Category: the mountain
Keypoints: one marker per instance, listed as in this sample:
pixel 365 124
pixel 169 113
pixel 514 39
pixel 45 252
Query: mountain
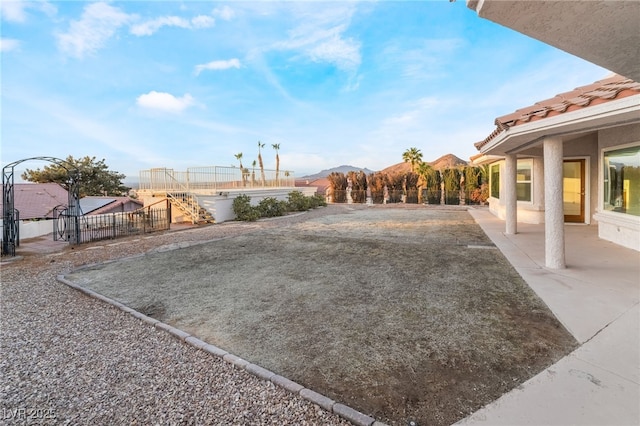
pixel 340 169
pixel 448 161
pixel 445 162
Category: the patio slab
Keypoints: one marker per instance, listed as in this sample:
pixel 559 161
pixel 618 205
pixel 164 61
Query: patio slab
pixel 597 298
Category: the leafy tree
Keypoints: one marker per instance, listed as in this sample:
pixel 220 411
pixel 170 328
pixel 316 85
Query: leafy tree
pixel 94 177
pixel 413 156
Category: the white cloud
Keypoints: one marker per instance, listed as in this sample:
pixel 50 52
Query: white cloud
pixel 9 44
pixel 225 13
pixel 165 101
pixel 422 58
pixel 218 65
pixel 345 54
pixel 13 11
pixel 16 11
pixel 320 37
pixel 150 27
pixel 203 21
pixel 99 22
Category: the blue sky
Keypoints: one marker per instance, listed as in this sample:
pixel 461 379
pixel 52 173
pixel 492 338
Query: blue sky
pixel 147 84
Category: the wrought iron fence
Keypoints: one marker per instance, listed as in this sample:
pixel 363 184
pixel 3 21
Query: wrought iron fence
pixel 428 196
pixel 9 248
pixel 213 178
pixel 113 225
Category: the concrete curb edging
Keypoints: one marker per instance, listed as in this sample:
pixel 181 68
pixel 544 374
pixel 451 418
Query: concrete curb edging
pixel 347 413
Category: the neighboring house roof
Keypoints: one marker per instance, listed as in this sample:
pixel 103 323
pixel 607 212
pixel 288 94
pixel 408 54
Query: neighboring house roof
pixel 602 91
pixel 37 200
pixel 101 205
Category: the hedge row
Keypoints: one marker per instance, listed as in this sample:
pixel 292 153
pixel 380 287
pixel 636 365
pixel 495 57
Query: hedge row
pixel 271 207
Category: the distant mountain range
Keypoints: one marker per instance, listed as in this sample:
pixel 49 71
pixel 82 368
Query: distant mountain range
pixel 444 162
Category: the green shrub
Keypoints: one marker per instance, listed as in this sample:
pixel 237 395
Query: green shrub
pixel 271 207
pixel 243 209
pixel 317 200
pixel 298 202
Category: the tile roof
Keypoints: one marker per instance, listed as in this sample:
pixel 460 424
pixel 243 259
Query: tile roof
pixel 602 91
pixel 101 205
pixel 37 200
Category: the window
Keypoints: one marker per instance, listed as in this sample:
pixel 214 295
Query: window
pixel 621 174
pixel 495 181
pixel 523 178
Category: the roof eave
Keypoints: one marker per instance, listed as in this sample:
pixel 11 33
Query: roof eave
pixel 609 114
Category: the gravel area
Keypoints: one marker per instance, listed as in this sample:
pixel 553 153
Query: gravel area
pixel 66 358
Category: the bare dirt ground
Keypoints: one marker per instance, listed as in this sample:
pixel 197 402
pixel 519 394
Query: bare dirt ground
pixel 406 314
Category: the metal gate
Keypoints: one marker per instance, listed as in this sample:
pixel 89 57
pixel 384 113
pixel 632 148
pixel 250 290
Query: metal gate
pixel 111 225
pixel 10 216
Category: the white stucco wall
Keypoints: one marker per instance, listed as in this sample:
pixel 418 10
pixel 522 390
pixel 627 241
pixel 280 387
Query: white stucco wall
pixel 220 204
pixel 32 229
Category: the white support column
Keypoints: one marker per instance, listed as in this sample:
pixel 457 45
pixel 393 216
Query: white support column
pixel 510 194
pixel 553 203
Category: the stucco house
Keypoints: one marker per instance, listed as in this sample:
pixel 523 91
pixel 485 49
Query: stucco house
pixel 574 158
pixel 95 205
pixel 35 203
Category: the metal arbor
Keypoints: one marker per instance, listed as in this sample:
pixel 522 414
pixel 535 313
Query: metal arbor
pixel 10 235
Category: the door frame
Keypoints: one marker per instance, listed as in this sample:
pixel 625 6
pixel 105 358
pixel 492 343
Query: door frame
pixel 587 186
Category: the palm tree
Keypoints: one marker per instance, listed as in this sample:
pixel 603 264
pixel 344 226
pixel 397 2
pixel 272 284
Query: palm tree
pixel 239 158
pixel 276 146
pixel 427 178
pixel 253 173
pixel 260 146
pixel 413 156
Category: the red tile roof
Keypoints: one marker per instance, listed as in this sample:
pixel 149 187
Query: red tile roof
pixel 94 205
pixel 37 200
pixel 602 91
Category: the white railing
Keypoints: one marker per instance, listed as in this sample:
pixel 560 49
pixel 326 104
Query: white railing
pixel 213 178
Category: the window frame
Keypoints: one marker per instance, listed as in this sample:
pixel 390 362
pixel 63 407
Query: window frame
pixel 492 193
pixel 603 205
pixel 529 163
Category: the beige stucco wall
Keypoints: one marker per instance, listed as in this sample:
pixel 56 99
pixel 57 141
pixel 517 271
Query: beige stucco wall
pixel 619 228
pixel 619 136
pixel 528 212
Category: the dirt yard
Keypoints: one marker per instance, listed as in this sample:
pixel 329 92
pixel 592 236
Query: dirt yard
pixel 406 314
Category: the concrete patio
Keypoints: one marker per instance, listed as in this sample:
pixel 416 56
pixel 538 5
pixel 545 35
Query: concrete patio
pixel 596 298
